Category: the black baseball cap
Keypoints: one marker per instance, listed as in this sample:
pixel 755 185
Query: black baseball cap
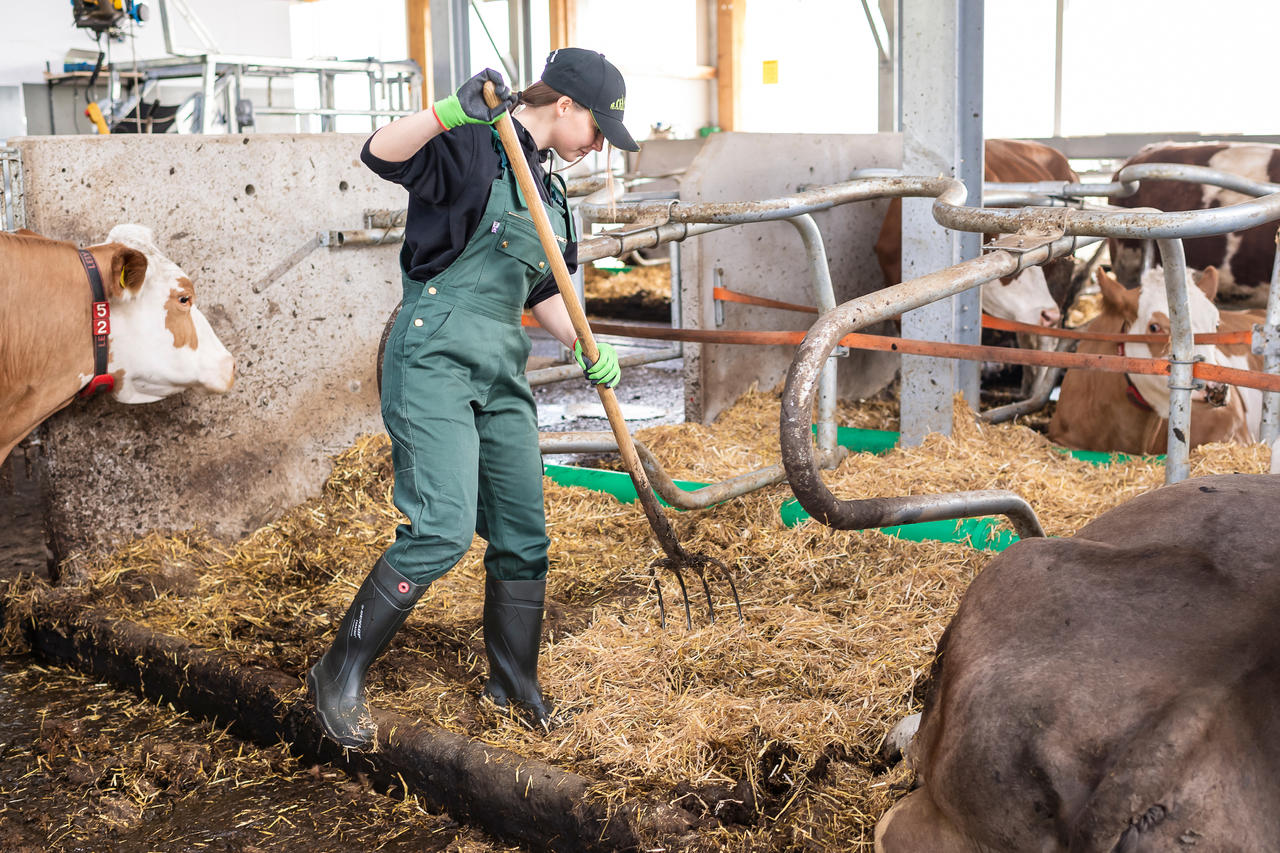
pixel 594 82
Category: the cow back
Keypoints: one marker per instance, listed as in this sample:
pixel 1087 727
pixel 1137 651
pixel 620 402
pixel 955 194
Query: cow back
pixel 1244 259
pixel 1118 686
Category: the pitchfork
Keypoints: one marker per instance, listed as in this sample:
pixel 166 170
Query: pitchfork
pixel 677 557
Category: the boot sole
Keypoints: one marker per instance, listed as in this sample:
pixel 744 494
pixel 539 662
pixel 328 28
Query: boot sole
pixel 346 741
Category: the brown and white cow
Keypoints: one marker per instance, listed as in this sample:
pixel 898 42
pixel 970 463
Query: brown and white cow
pixel 1244 259
pixel 1128 412
pixel 1036 295
pixel 1112 691
pixel 159 345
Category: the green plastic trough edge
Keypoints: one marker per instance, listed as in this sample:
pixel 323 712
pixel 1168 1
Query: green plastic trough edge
pixel 981 533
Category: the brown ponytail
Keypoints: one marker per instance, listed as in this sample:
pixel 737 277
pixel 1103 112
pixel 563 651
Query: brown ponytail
pixel 540 94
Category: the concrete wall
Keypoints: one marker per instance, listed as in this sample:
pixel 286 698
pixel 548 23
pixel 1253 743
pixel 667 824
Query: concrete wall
pixel 768 259
pixel 227 209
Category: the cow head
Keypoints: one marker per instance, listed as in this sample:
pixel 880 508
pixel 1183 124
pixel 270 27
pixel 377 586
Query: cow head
pixel 1147 310
pixel 160 342
pixel 1024 298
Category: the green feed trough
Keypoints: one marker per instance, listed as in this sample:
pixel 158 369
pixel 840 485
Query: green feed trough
pixel 981 533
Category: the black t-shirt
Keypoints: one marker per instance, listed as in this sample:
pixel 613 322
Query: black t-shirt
pixel 448 180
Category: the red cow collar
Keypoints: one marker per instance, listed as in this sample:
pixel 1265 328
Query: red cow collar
pixel 101 320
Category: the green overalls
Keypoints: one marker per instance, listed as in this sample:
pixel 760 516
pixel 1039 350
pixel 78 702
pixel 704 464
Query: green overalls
pixel 455 401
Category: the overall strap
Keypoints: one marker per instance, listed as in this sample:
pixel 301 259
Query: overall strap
pixel 562 202
pixel 505 172
pixel 559 195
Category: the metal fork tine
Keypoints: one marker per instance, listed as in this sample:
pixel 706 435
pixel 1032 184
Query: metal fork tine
pixel 688 616
pixel 699 564
pixel 737 602
pixel 706 588
pixel 733 588
pixel 657 585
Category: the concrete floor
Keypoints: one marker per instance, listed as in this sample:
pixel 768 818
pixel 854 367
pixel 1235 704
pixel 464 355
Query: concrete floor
pixel 649 395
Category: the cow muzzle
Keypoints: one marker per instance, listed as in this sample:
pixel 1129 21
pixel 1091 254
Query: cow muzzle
pixel 1214 393
pixel 220 375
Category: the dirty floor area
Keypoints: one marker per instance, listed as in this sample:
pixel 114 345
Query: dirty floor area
pixel 84 767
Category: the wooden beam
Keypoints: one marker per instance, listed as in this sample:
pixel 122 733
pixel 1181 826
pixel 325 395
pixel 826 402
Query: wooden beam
pixel 418 17
pixel 564 19
pixel 730 15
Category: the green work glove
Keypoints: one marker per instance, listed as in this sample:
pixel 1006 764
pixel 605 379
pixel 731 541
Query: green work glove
pixel 467 105
pixel 605 371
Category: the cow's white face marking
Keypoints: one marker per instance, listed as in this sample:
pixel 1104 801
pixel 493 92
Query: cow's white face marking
pixel 1025 299
pixel 1153 318
pixel 160 342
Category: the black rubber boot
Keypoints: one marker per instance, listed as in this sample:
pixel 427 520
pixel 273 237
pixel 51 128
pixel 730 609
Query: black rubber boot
pixel 512 637
pixel 336 682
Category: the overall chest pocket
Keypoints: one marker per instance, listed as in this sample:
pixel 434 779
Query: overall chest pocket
pixel 519 239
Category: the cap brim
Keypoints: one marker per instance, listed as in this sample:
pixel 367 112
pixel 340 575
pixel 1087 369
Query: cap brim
pixel 615 131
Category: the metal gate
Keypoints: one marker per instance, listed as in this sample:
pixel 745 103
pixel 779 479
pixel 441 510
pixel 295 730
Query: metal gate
pixel 13 209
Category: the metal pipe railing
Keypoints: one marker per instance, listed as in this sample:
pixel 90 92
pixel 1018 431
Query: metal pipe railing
pixel 601 207
pixel 1182 356
pixel 1168 230
pixel 801 386
pixel 683 220
pixel 1267 340
pixel 824 294
pixel 701 219
pixel 949 211
pixel 612 244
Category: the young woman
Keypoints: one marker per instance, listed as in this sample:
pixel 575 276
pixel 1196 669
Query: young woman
pixel 462 421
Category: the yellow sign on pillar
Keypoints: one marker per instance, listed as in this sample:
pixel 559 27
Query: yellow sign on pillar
pixel 770 71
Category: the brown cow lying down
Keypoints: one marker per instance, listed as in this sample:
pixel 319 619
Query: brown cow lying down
pixel 159 341
pixel 1128 413
pixel 1115 691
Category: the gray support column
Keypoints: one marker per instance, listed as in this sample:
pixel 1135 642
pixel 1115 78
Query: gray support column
pixel 1057 70
pixel 207 79
pixel 450 45
pixel 882 19
pixel 940 55
pixel 520 39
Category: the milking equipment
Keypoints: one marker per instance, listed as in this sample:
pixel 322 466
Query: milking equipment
pixel 108 16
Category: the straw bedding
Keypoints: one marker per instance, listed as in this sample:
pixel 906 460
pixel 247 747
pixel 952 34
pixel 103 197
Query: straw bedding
pixel 769 728
pixel 653 282
pixel 637 293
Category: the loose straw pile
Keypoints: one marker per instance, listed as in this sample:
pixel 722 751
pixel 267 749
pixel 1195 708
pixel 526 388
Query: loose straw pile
pixel 783 715
pixel 649 283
